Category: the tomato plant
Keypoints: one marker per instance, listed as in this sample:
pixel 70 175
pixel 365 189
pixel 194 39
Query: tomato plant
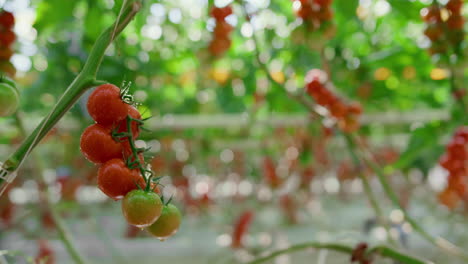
pixel 271 124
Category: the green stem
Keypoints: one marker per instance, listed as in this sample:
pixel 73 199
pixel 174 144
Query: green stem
pixel 380 250
pixel 437 241
pixel 65 236
pixel 130 137
pixel 82 82
pixel 454 88
pixel 368 190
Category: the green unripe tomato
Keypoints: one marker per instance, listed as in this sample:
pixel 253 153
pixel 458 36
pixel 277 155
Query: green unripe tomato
pixel 167 224
pixel 141 208
pixel 9 99
pixel 8 80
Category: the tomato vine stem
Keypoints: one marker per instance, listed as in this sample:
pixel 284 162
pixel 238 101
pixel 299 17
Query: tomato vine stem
pixel 44 199
pixel 145 173
pixel 383 251
pixel 83 81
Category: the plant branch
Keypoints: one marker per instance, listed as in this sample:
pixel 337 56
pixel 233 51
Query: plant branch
pixel 380 250
pixel 44 199
pixel 65 236
pixel 83 81
pixel 368 190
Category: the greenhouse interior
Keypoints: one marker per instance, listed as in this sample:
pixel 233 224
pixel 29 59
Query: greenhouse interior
pixel 233 131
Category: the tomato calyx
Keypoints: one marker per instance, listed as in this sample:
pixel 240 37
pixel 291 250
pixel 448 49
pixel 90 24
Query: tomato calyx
pixel 134 160
pixel 125 94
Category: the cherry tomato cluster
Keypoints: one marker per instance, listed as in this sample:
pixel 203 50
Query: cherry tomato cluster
pixel 455 161
pixel 7 38
pixel 123 173
pixel 221 40
pixel 444 31
pixel 315 13
pixel 346 114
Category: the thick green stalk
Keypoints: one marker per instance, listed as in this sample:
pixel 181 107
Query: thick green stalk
pixel 380 250
pixel 84 80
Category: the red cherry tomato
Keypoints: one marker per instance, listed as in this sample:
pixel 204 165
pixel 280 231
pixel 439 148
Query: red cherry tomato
pixel 116 180
pixel 338 109
pixel 141 208
pixel 220 13
pixel 7 20
pixel 222 29
pixel 98 146
pixel 7 37
pixel 454 6
pixel 323 2
pixel 433 31
pixel 219 45
pixel 167 224
pixel 449 198
pixel 105 105
pixel 355 108
pixel 241 228
pixel 455 22
pixel 462 132
pixel 431 14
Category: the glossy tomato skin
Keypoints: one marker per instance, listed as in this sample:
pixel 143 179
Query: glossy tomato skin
pixel 116 180
pixel 98 146
pixel 141 208
pixel 9 99
pixel 167 224
pixel 105 105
